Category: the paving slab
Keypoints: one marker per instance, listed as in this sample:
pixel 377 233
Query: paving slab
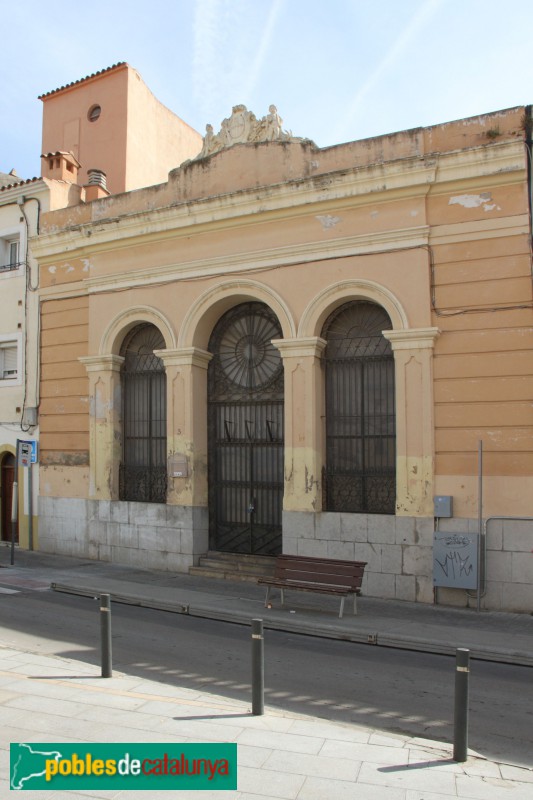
pixel 280 754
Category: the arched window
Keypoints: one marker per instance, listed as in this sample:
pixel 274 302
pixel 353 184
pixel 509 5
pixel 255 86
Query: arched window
pixel 143 470
pixel 360 475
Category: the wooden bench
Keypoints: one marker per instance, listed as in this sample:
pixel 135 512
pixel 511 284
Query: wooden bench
pixel 321 575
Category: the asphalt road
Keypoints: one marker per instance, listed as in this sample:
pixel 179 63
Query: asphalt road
pixel 388 689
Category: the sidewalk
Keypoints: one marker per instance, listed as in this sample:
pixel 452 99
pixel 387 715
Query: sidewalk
pixel 492 636
pixel 280 755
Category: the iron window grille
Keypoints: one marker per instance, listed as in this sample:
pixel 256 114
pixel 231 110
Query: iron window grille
pixel 360 471
pixel 143 471
pixel 9 258
pixel 8 361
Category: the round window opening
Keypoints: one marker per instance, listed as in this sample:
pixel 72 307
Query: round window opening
pixel 94 113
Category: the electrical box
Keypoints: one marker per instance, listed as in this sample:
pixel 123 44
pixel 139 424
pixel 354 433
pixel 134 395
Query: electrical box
pixel 30 417
pixel 443 505
pixel 455 560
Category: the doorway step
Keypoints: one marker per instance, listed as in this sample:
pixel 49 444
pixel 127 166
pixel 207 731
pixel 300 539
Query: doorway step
pixel 234 566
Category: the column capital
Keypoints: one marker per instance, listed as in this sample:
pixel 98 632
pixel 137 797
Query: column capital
pixel 412 338
pixel 108 363
pixel 300 347
pixel 185 357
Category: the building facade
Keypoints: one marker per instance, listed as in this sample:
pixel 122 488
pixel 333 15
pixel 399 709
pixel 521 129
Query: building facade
pixel 286 348
pixel 21 203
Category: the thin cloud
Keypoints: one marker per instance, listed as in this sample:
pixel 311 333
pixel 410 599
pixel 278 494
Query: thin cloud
pixel 419 19
pixel 264 48
pixel 205 34
pixel 232 39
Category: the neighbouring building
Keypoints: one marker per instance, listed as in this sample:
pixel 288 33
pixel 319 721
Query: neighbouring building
pixel 104 133
pixel 287 348
pixel 111 123
pixel 21 204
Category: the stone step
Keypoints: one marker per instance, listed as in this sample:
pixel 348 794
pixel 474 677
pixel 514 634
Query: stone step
pixel 224 566
pixel 242 558
pixel 234 566
pixel 228 575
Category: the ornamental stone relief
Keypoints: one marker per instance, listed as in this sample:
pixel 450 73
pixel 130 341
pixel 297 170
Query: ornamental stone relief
pixel 243 127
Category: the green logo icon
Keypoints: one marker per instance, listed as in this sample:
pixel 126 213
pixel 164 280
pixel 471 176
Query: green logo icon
pixel 123 766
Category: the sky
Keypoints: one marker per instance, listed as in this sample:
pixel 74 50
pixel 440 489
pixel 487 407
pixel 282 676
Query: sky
pixel 337 70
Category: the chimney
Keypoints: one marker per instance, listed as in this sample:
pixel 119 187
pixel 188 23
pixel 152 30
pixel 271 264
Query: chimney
pixel 60 166
pixel 96 188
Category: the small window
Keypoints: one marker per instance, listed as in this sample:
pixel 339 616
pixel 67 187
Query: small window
pixel 13 254
pixel 94 113
pixel 8 361
pixel 9 254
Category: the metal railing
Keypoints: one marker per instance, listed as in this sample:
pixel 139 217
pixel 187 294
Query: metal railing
pixel 10 267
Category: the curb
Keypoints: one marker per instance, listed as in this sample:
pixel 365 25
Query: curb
pixel 307 628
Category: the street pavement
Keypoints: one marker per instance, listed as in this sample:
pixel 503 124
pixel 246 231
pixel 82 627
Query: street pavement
pixel 47 698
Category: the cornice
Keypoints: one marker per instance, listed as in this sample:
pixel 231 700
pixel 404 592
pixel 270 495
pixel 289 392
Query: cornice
pixel 490 228
pixel 412 338
pixel 264 259
pixel 347 188
pixel 304 347
pixel 185 357
pixel 62 291
pixel 102 363
pixel 351 187
pixel 495 164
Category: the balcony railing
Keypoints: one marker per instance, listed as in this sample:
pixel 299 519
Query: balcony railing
pixel 10 267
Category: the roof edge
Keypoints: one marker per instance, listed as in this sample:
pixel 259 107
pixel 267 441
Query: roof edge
pixel 117 66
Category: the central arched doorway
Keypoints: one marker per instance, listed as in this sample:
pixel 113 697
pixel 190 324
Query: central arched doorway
pixel 245 426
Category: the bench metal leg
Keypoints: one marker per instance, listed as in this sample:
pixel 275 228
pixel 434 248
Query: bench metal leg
pixel 267 596
pixel 341 612
pixel 354 603
pixel 282 596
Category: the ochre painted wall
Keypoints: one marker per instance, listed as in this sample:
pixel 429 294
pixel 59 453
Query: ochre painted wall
pixel 64 413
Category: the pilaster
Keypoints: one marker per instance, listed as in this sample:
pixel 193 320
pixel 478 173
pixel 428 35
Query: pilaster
pixel 304 422
pixel 186 370
pixel 104 424
pixel 415 445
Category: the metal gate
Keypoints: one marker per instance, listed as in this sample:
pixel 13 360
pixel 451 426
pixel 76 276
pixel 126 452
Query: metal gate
pixel 245 408
pixel 360 473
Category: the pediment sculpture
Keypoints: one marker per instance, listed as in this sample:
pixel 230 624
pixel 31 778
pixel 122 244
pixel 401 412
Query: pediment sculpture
pixel 243 127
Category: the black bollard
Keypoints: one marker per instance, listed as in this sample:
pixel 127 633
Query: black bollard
pixel 258 668
pixel 105 635
pixel 462 674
